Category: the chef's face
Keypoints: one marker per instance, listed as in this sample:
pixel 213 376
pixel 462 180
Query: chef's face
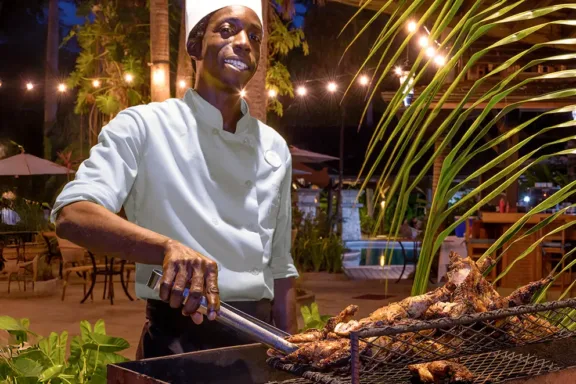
pixel 230 48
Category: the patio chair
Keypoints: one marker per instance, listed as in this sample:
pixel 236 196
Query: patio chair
pixel 477 243
pixel 553 249
pixel 73 261
pixel 20 271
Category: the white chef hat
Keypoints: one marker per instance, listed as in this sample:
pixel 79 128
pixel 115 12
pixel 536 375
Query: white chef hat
pixel 196 10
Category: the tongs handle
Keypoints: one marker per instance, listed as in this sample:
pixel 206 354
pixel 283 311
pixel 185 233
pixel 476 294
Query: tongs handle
pixel 256 329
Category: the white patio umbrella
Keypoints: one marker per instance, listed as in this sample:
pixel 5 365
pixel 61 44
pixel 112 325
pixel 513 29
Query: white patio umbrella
pixel 304 156
pixel 25 164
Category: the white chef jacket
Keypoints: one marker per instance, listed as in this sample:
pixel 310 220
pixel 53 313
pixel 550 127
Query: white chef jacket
pixel 178 173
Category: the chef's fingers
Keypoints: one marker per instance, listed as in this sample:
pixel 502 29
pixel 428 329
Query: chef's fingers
pixel 196 289
pixel 168 277
pixel 197 318
pixel 212 292
pixel 177 294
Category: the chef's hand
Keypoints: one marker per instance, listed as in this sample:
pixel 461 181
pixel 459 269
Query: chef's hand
pixel 182 267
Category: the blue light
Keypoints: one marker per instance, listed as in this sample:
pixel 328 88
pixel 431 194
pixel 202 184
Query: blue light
pixel 526 199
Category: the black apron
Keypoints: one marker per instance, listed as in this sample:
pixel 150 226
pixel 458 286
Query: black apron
pixel 167 332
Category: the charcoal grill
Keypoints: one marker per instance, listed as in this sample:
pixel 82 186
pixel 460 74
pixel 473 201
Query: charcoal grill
pixel 382 354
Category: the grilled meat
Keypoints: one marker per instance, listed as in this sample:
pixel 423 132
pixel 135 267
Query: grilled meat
pixel 321 354
pixel 524 295
pixel 306 337
pixel 343 317
pixel 441 371
pixel 409 308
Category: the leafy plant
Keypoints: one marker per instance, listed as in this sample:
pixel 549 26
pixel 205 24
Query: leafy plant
pixel 312 318
pixel 45 360
pixel 459 136
pixel 315 248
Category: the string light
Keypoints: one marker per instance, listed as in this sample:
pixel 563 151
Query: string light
pixel 423 41
pixel 272 93
pixel 0 83
pixel 61 87
pixel 398 71
pixel 331 87
pixel 440 60
pixel 430 51
pixel 158 76
pixel 128 77
pixel 242 93
pixel 96 83
pixel 301 91
pixel 182 84
pixel 29 86
pixel 412 26
pixel 364 80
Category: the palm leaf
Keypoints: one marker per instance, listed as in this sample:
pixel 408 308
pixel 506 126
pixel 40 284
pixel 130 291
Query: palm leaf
pixel 420 129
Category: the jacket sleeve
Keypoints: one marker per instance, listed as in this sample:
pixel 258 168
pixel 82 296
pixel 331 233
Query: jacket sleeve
pixel 282 263
pixel 107 176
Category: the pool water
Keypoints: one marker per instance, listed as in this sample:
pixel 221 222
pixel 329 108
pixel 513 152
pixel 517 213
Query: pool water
pixel 372 256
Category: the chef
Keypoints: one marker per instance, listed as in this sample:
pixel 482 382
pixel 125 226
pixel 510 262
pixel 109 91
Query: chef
pixel 206 191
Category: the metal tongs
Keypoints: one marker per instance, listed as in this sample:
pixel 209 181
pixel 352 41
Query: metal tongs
pixel 254 328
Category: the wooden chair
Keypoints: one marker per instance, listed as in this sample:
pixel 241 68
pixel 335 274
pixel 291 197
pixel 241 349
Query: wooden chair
pixel 477 242
pixel 74 260
pixel 553 249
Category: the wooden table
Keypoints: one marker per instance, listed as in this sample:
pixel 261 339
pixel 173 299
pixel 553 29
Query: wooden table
pixel 530 268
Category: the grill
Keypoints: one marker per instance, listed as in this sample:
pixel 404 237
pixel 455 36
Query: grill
pixel 492 367
pixel 382 354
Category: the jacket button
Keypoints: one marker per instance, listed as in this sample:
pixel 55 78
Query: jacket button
pixel 248 184
pixel 247 141
pixel 214 131
pixel 255 271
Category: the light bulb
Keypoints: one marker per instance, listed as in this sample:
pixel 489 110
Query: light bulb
pixel 182 84
pixel 62 87
pixel 331 86
pixel 398 71
pixel 128 77
pixel 364 80
pixel 423 41
pixel 412 26
pixel 301 91
pixel 430 51
pixel 29 86
pixel 96 83
pixel 440 60
pixel 242 93
pixel 272 93
pixel 158 77
pixel 0 83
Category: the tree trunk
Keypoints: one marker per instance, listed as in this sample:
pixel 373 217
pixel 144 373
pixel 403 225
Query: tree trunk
pixel 184 72
pixel 256 94
pixel 50 76
pixel 159 50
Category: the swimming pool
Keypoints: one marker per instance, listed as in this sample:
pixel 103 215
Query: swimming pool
pixel 365 259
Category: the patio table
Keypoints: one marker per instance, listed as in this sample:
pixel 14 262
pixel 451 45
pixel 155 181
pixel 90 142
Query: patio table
pixel 108 272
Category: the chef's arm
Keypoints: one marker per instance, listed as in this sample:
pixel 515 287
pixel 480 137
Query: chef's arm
pixel 96 228
pixel 284 307
pixel 282 264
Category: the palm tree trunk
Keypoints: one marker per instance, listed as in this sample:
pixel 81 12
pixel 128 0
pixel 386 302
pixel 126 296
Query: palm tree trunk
pixel 184 72
pixel 50 76
pixel 256 90
pixel 159 50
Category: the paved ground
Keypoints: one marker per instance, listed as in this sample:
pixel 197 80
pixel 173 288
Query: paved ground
pixel 125 318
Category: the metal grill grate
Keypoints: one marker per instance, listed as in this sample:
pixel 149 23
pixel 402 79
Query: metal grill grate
pixel 423 341
pixel 493 367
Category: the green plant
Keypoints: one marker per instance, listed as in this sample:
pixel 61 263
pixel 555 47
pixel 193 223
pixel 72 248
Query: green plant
pixel 315 248
pixel 312 318
pixel 458 135
pixel 28 358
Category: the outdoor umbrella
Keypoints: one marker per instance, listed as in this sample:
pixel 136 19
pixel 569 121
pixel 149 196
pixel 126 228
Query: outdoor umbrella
pixel 25 164
pixel 304 156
